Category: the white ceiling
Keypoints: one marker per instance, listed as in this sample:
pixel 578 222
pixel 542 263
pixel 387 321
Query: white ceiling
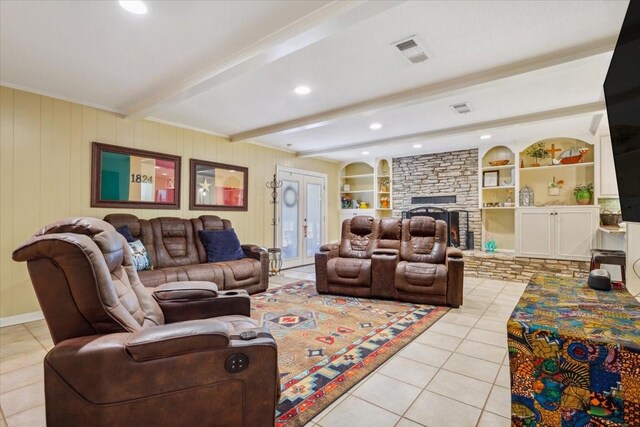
pixel 98 54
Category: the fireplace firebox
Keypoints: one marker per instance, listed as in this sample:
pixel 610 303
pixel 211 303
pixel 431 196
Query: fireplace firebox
pixel 457 223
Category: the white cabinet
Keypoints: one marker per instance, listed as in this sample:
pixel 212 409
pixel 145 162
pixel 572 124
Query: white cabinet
pixel 556 232
pixel 608 181
pixel 535 232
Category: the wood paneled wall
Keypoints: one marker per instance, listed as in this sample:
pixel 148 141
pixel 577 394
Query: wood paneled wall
pixel 45 175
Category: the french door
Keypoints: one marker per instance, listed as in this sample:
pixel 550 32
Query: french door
pixel 301 215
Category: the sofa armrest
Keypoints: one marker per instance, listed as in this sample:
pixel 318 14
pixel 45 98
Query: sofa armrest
pixel 99 370
pixel 179 338
pixel 329 247
pixel 454 252
pixel 185 291
pixel 455 276
pixel 254 251
pixel 386 251
pixel 181 301
pixel 322 258
pixel 383 271
pixel 261 254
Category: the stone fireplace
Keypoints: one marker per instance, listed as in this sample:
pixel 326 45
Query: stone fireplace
pixel 444 180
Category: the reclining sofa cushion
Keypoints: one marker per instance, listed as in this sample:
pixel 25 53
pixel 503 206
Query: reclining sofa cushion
pixel 174 241
pixel 221 245
pixel 352 266
pixel 423 240
pixel 349 271
pixel 422 268
pixel 359 236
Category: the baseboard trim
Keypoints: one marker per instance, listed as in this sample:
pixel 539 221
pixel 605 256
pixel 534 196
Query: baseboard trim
pixel 20 318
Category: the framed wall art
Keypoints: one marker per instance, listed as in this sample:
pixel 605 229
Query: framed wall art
pixel 490 179
pixel 218 186
pixel 123 177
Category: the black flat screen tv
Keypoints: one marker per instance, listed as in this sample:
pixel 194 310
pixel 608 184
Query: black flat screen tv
pixel 622 95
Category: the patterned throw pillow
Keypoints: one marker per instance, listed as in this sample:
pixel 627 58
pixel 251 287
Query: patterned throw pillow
pixel 140 257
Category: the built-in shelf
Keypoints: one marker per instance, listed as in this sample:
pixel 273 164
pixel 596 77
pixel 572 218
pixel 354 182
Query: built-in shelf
pixel 493 168
pixel 383 192
pixel 500 187
pixel 498 207
pixel 384 209
pixel 356 191
pixel 539 168
pixel 365 175
pixel 384 176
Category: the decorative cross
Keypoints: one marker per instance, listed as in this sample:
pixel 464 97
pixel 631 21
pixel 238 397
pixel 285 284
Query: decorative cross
pixel 553 150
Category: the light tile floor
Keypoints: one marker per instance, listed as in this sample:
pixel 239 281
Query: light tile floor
pixel 454 374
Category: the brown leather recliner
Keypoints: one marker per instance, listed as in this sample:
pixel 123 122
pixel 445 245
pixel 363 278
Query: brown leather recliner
pixel 345 269
pixel 118 359
pixel 428 272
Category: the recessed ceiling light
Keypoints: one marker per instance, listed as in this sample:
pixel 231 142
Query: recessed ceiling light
pixel 364 153
pixel 417 145
pixel 232 171
pixel 487 136
pixel 134 6
pixel 375 126
pixel 302 90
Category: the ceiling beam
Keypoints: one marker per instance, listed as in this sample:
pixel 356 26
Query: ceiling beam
pixel 433 91
pixel 473 127
pixel 318 25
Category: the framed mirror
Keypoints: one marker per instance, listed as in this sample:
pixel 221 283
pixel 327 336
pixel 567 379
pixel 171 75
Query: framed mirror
pixel 123 177
pixel 218 186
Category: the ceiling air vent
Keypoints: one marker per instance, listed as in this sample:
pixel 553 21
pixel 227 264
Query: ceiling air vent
pixel 462 108
pixel 411 50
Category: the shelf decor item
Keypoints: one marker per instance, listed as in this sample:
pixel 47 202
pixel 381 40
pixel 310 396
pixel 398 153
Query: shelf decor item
pixel 583 194
pixel 572 156
pixel 499 162
pixel 346 188
pixel 554 187
pixel 537 152
pixel 526 196
pixel 218 186
pixel 490 246
pixel 490 179
pixel 130 178
pixel 384 202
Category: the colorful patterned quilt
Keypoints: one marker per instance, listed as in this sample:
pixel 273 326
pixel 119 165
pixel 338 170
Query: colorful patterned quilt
pixel 574 355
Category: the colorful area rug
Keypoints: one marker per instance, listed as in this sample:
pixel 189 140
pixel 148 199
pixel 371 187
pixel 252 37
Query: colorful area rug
pixel 326 343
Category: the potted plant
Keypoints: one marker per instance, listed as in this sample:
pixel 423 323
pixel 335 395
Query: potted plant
pixel 583 194
pixel 538 152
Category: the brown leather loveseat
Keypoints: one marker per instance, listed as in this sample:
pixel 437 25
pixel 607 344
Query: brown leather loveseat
pixel 177 254
pixel 407 260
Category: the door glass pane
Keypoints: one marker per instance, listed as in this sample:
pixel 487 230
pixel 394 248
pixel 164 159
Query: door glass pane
pixel 314 218
pixel 290 228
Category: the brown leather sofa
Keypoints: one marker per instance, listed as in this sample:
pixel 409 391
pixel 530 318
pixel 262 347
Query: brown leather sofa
pixel 177 254
pixel 126 356
pixel 407 260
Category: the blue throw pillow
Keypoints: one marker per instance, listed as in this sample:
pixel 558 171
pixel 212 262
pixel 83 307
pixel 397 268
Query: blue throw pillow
pixel 221 245
pixel 124 230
